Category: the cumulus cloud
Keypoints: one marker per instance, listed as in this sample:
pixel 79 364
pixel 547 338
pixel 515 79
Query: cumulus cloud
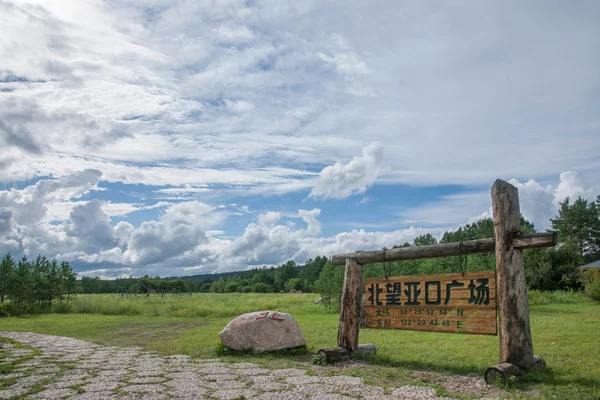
pixel 179 229
pixel 269 244
pixel 268 219
pixel 340 181
pixel 538 203
pixel 91 226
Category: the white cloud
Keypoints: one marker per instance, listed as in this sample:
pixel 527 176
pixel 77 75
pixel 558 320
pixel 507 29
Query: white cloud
pixel 340 181
pixel 538 203
pixel 268 219
pixel 182 227
pixel 571 186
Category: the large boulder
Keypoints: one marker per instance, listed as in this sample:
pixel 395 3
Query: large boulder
pixel 263 331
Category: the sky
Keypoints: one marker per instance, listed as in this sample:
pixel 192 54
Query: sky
pixel 170 137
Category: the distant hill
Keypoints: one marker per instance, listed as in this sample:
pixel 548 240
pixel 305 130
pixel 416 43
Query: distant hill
pixel 216 276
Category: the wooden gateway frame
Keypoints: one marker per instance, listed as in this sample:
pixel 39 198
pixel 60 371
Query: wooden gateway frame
pixel 449 294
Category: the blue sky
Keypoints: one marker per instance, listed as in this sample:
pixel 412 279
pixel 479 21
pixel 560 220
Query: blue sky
pixel 176 137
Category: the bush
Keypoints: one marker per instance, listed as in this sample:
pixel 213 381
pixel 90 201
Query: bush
pixel 247 289
pixel 593 289
pixel 260 287
pixel 9 309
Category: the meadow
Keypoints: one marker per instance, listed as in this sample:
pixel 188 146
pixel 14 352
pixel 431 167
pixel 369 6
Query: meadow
pixel 565 329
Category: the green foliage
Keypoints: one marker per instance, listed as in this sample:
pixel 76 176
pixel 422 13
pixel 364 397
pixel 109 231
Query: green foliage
pixel 329 285
pixel 553 269
pixel 580 223
pixel 260 287
pixel 593 289
pixel 34 286
pixel 7 267
pixel 318 360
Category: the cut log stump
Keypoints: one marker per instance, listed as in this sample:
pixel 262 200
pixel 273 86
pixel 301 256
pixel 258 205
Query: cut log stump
pixel 335 354
pixel 501 373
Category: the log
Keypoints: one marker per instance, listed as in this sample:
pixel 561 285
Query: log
pixel 501 373
pixel 466 247
pixel 334 354
pixel 516 346
pixel 352 299
pixel 341 354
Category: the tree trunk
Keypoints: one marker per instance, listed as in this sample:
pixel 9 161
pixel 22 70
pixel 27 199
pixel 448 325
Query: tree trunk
pixel 516 346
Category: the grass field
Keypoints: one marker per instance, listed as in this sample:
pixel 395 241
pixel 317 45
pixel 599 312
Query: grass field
pixel 565 327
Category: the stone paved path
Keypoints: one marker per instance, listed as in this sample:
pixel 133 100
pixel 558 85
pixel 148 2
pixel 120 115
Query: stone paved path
pixel 74 369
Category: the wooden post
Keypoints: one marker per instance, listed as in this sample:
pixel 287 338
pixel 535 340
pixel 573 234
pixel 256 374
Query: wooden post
pixel 352 294
pixel 516 346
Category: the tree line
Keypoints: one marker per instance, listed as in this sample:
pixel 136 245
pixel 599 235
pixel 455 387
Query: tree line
pixel 34 285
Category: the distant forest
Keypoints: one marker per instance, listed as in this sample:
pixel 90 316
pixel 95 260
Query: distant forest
pixel 577 225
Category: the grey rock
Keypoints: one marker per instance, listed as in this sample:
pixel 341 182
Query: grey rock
pixel 263 331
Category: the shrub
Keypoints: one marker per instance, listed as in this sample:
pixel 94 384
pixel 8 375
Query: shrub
pixel 8 309
pixel 261 287
pixel 247 289
pixel 593 289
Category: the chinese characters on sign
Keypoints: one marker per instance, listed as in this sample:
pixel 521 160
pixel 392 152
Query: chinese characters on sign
pixel 444 302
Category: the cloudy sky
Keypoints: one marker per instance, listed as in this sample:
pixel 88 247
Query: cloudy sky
pixel 184 137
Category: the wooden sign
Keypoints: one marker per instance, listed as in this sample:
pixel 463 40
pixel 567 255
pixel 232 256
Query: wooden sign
pixel 460 303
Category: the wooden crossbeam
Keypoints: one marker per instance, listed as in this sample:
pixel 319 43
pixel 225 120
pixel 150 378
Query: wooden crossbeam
pixel 478 246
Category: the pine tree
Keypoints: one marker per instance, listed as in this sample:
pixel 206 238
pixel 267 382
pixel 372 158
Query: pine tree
pixel 6 270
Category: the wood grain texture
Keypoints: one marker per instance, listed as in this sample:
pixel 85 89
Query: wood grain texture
pixel 445 249
pixel 446 302
pixel 516 346
pixel 351 305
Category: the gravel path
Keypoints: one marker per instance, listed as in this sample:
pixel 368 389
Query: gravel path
pixel 74 369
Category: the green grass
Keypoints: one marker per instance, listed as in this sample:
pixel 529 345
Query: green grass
pixel 565 329
pixel 199 305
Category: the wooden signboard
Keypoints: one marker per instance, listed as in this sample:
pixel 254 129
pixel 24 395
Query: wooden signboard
pixel 460 303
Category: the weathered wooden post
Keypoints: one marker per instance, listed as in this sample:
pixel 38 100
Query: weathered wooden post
pixel 516 345
pixel 350 311
pixel 352 316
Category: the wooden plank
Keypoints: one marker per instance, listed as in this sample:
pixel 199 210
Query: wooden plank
pixel 516 346
pixel 478 246
pixel 459 302
pixel 351 306
pixel 441 290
